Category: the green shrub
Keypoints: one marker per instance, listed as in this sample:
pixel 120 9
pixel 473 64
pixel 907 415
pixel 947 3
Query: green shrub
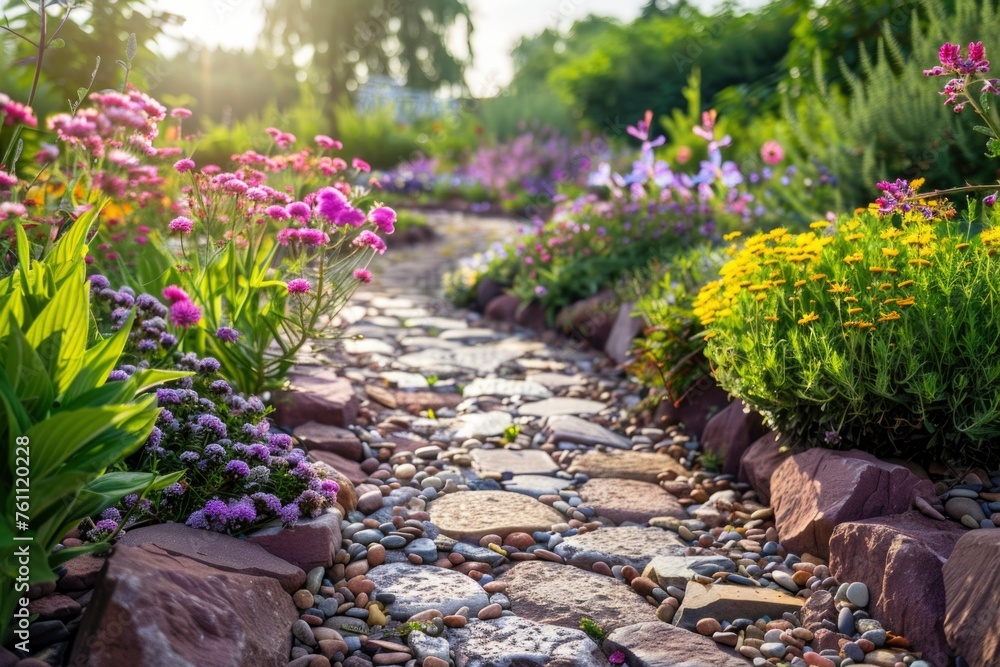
pixel 880 334
pixel 670 354
pixel 864 134
pixel 60 419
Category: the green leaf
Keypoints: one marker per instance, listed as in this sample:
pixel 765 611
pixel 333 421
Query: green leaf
pixel 57 43
pixel 152 377
pixel 59 333
pixel 982 129
pixel 985 102
pixel 72 245
pixel 80 94
pixel 100 360
pixel 27 374
pixel 993 148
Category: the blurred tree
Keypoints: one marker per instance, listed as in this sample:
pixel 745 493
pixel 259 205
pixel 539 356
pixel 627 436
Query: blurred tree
pixel 96 28
pixel 349 40
pixel 227 86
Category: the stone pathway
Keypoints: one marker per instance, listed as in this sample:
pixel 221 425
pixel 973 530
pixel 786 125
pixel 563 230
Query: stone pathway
pixel 500 499
pixel 506 498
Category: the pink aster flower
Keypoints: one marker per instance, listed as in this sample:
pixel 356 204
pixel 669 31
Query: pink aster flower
pixel 384 218
pixel 185 165
pixel 16 113
pixel 299 210
pixel 327 143
pixel 6 179
pixel 361 165
pixel 175 294
pixel 363 275
pixel 277 213
pixel 772 152
pixel 298 286
pixel 180 112
pixel 181 225
pixel 184 314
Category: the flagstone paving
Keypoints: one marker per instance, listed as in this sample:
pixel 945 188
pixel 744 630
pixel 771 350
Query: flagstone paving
pixel 503 497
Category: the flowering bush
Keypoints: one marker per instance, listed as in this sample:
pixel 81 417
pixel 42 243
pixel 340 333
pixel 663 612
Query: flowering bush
pixel 877 333
pixel 237 475
pixel 272 248
pixel 636 218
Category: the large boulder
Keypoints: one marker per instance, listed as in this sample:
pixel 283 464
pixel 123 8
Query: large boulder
pixel 900 559
pixel 310 543
pixel 761 459
pixel 219 551
pixel 972 598
pixel 317 396
pixel 503 308
pixel 660 644
pixel 158 610
pixel 532 316
pixel 694 409
pixel 814 491
pixel 730 433
pixel 330 439
pixel 624 330
pixel 487 289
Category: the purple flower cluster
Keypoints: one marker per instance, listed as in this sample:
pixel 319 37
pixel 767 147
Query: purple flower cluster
pixel 900 196
pixel 963 70
pixel 113 308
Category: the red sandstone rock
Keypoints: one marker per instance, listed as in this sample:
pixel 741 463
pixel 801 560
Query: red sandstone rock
pixel 730 433
pixel 623 331
pixel 814 491
pixel 503 308
pixel 590 319
pixel 308 544
pixel 156 610
pixel 900 559
pixel 216 550
pixel 532 316
pixel 329 439
pixel 350 469
pixel 760 461
pixel 320 396
pixel 972 597
pixel 661 644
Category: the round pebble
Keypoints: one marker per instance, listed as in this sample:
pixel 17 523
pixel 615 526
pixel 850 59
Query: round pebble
pixel 857 594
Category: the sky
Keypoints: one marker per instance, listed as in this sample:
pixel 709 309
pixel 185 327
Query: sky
pixel 498 25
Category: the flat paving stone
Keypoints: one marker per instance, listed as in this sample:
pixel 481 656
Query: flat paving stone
pixel 404 380
pixel 368 346
pixel 471 515
pixel 567 428
pixel 536 485
pixel 510 641
pixel 663 645
pixel 555 380
pixel 625 545
pixel 641 466
pixel 481 424
pixel 515 462
pixel 561 595
pixel 624 500
pixel 727 601
pixel 505 388
pixel 419 588
pixel 552 407
pixel 428 342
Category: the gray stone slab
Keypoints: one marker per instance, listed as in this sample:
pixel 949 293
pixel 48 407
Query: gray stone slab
pixel 510 641
pixel 536 485
pixel 567 428
pixel 552 407
pixel 505 388
pixel 625 545
pixel 419 588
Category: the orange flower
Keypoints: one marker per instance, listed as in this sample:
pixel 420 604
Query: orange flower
pixel 808 318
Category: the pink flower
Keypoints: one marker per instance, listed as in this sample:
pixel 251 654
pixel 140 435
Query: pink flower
pixel 683 154
pixel 363 275
pixel 181 225
pixel 9 180
pixel 15 113
pixel 185 165
pixel 367 239
pixel 384 218
pixel 298 286
pixel 332 203
pixel 180 112
pixel 361 165
pixel 772 152
pixel 299 210
pixel 277 213
pixel 175 294
pixel 184 314
pixel 616 658
pixel 327 143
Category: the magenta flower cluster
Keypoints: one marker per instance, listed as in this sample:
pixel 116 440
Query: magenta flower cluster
pixel 963 69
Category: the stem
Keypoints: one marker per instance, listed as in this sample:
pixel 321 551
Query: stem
pixel 41 51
